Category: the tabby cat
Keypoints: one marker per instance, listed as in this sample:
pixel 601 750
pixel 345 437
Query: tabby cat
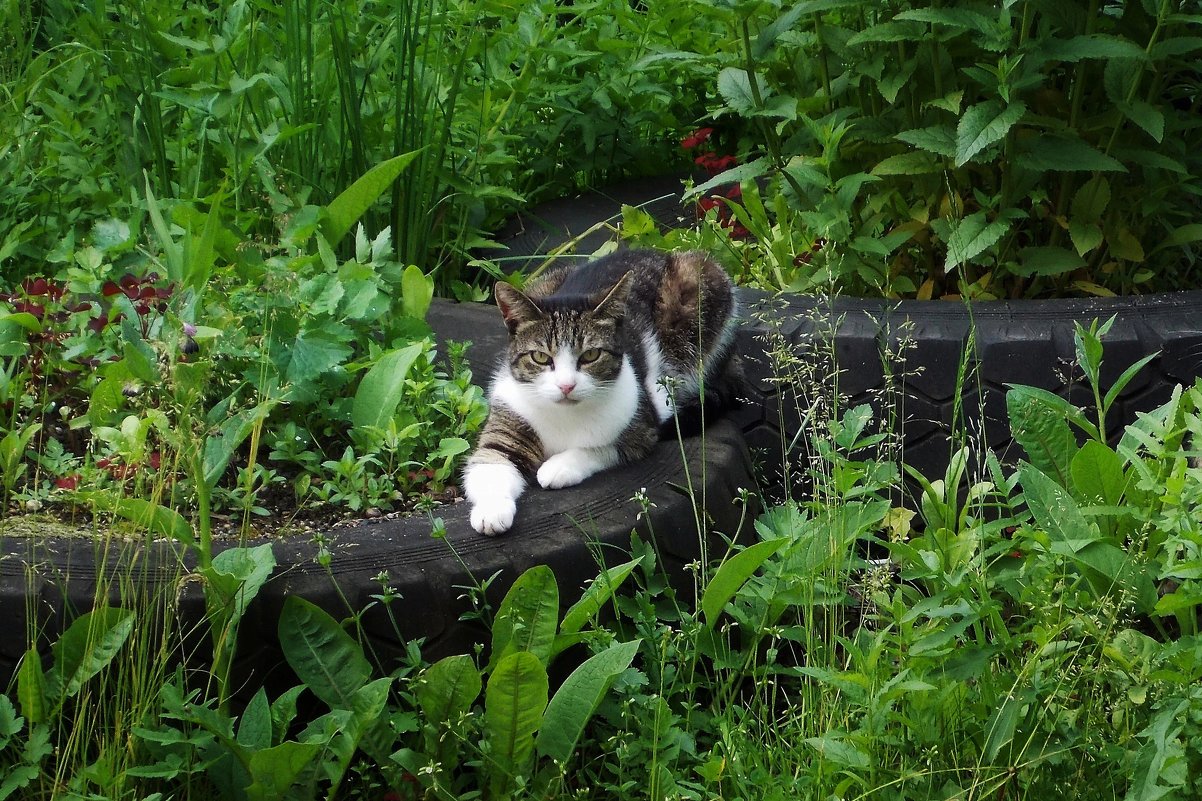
pixel 599 358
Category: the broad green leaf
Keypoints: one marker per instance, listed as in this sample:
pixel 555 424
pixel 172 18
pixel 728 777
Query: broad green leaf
pixel 599 591
pixel 1125 378
pixel 1040 427
pixel 734 85
pixel 1055 511
pixel 86 648
pixel 222 446
pixel 32 692
pixel 938 139
pixel 743 172
pixel 235 576
pixel 1002 724
pixel 382 388
pixel 1184 235
pixel 447 690
pixel 578 698
pixel 1047 261
pixel 1085 236
pixel 984 124
pixel 733 574
pixel 156 519
pixel 527 618
pixel 514 701
pixel 1064 154
pixel 417 290
pixel 323 656
pixel 915 162
pixel 1097 473
pixel 1176 46
pixel 254 727
pixel 1091 200
pixel 972 236
pixel 274 770
pixel 346 209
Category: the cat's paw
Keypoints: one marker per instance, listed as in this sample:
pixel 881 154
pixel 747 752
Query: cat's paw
pixel 492 489
pixel 494 516
pixel 566 469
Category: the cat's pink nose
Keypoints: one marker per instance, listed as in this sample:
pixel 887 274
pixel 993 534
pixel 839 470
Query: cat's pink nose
pixel 566 389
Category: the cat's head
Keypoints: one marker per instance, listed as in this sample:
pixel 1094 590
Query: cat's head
pixel 565 351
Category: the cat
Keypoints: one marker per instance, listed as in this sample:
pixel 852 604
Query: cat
pixel 599 358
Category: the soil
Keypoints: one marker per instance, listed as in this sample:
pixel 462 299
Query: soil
pixel 283 519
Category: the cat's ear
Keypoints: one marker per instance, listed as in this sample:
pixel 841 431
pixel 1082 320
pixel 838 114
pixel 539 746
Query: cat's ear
pixel 515 307
pixel 613 305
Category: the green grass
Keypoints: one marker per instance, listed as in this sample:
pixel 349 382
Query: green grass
pixel 1019 633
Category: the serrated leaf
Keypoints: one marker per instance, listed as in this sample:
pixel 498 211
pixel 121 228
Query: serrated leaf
pixel 1091 199
pixel 1047 261
pixel 903 31
pixel 1086 236
pixel 938 139
pixel 578 698
pixel 1089 46
pixel 734 85
pixel 314 353
pixel 1124 245
pixel 952 17
pixel 1064 154
pixel 1146 116
pixel 972 236
pixel 916 162
pixel 984 124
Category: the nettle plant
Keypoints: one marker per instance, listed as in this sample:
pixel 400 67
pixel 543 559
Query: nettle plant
pixel 985 150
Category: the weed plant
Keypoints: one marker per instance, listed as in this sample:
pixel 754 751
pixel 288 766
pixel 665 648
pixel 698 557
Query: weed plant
pixel 993 150
pixel 1032 633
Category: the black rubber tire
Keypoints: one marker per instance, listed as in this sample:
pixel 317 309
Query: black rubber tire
pixel 569 529
pixel 995 343
pixel 1013 342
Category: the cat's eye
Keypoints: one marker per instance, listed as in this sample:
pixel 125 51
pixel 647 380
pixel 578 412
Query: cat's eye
pixel 590 355
pixel 540 357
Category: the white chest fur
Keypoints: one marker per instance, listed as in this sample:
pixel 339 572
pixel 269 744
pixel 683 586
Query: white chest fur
pixel 595 422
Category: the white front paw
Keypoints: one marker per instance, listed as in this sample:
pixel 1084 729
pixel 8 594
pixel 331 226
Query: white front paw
pixel 566 469
pixel 493 516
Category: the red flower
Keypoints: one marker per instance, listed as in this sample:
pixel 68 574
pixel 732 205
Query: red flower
pixel 67 483
pixel 714 164
pixel 696 138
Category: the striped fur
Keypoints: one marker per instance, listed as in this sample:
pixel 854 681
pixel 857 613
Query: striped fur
pixel 599 357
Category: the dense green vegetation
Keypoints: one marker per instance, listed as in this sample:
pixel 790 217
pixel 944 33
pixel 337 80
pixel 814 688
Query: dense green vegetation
pixel 221 228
